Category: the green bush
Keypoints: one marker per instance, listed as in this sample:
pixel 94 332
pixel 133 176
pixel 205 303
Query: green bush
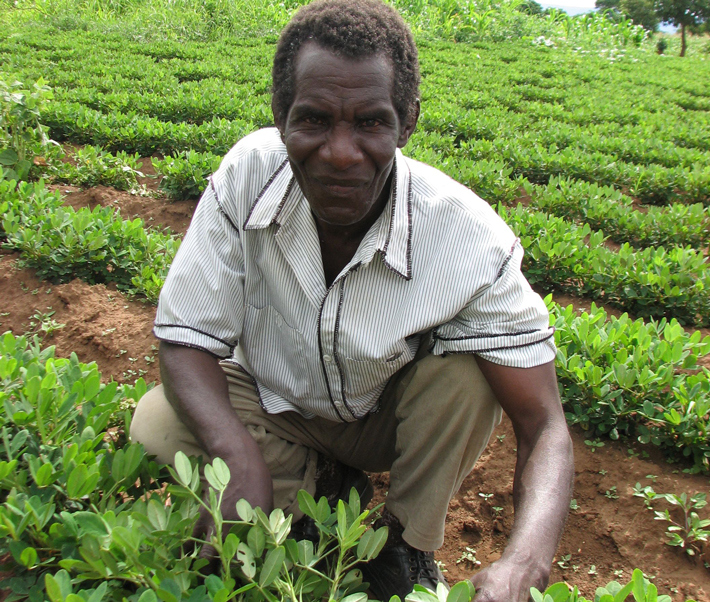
pixel 95 167
pixel 185 175
pixel 623 377
pixel 96 246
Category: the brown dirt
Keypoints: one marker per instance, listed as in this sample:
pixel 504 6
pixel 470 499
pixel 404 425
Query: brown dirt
pixel 605 538
pixel 99 323
pixel 156 211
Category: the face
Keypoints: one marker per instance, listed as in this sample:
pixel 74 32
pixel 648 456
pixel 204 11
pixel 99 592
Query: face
pixel 341 133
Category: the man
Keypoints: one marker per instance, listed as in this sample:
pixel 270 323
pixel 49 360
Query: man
pixel 369 314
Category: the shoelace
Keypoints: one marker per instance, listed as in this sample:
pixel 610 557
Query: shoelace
pixel 422 565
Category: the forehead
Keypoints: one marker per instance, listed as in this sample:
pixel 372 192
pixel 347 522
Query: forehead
pixel 319 71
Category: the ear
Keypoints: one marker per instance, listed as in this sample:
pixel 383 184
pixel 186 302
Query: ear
pixel 410 125
pixel 279 121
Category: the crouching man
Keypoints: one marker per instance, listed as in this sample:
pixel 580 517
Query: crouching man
pixel 337 308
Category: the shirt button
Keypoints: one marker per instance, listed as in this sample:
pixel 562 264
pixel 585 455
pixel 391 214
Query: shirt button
pixel 327 358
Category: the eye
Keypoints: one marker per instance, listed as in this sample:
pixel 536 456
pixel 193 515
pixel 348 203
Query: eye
pixel 371 123
pixel 313 120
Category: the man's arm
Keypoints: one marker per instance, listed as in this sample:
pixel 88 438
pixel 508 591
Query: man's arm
pixel 542 488
pixel 196 387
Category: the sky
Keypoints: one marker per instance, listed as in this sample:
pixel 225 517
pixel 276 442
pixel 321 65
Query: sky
pixel 571 7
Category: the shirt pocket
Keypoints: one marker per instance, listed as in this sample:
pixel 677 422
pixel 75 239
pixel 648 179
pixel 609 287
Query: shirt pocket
pixel 364 376
pixel 275 353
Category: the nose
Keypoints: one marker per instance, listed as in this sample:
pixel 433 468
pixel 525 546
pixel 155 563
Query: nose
pixel 340 149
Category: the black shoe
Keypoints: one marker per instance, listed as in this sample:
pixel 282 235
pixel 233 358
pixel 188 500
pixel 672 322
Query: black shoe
pixel 397 569
pixel 305 528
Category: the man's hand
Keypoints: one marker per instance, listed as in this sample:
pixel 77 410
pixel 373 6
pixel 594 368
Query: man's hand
pixel 196 387
pixel 204 527
pixel 542 486
pixel 505 581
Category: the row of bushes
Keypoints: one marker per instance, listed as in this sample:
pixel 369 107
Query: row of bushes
pixel 97 246
pixel 651 282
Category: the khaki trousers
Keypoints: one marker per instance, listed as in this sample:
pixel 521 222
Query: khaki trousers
pixel 435 419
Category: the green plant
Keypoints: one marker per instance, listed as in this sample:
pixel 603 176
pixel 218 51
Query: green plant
pixel 468 555
pixel 95 167
pixel 690 532
pixel 22 136
pixel 185 175
pixel 97 246
pixel 278 567
pixel 43 322
pixel 623 377
pixel 87 514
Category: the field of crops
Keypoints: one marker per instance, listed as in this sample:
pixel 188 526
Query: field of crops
pixel 594 150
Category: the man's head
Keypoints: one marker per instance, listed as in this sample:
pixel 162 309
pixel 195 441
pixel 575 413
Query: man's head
pixel 351 29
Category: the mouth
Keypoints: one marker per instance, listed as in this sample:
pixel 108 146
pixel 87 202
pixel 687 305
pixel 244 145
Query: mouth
pixel 340 187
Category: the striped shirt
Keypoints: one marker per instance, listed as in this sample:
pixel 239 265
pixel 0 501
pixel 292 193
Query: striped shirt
pixel 247 283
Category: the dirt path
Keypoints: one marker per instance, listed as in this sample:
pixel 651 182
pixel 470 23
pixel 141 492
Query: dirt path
pixel 605 536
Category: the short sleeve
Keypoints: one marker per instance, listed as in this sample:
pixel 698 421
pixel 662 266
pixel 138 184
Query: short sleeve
pixel 506 322
pixel 201 304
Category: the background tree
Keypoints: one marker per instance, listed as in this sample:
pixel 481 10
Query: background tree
pixel 530 7
pixel 683 14
pixel 641 12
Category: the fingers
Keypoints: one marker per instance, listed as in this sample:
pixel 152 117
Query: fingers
pixel 213 563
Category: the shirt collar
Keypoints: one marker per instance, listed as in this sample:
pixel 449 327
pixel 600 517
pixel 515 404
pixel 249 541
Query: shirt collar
pixel 282 194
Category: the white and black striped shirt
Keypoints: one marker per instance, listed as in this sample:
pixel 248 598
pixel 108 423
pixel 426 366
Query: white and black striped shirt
pixel 248 282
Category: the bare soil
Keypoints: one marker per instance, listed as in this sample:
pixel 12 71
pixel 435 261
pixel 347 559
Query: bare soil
pixel 606 537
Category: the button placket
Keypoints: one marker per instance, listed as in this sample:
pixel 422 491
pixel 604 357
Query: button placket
pixel 328 320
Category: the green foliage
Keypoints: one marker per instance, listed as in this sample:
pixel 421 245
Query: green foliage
pixel 93 167
pixel 621 377
pixel 606 208
pixel 22 137
pixel 85 516
pixel 683 12
pixel 185 175
pixel 59 473
pixel 653 282
pixel 96 246
pixel 641 12
pixel 690 532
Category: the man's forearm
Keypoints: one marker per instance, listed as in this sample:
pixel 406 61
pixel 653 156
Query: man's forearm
pixel 541 493
pixel 196 387
pixel 543 480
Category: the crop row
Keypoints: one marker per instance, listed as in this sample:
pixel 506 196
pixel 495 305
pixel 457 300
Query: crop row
pixel 96 246
pixel 528 157
pixel 135 133
pixel 652 282
pixel 602 207
pixel 606 208
pixel 521 112
pixel 86 515
pixel 196 102
pixel 523 84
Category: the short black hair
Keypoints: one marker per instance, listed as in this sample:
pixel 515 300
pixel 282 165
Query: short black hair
pixel 354 29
